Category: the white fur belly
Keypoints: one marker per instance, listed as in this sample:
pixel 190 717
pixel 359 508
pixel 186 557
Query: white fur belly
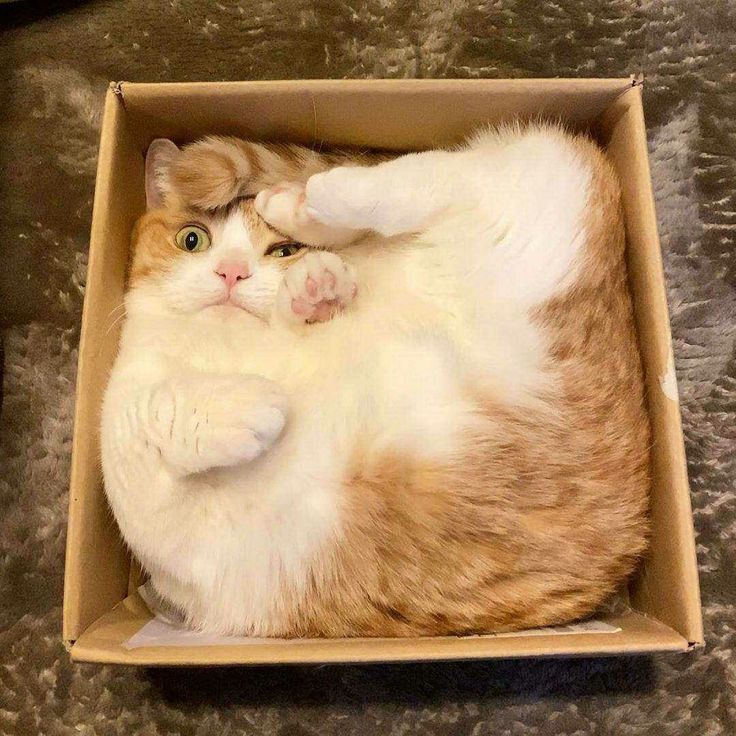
pixel 365 382
pixel 249 531
pixel 242 535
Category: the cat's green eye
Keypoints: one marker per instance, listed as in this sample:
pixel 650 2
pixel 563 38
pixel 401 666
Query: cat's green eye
pixel 284 250
pixel 193 238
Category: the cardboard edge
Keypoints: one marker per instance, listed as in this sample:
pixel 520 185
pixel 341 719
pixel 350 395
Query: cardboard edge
pixel 72 627
pixel 149 104
pixel 83 656
pixel 694 632
pixel 71 573
pixel 103 643
pixel 129 90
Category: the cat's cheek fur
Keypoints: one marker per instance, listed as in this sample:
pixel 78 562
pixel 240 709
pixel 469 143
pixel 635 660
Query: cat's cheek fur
pixel 257 295
pixel 192 285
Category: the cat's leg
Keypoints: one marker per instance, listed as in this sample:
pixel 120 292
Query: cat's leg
pixel 198 422
pixel 338 206
pixel 394 197
pixel 212 172
pixel 315 288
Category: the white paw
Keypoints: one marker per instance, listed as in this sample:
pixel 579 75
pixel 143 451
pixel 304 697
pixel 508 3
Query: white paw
pixel 283 206
pixel 342 197
pixel 244 420
pixel 316 287
pixel 216 421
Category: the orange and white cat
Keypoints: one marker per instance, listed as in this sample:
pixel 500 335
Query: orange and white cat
pixel 428 420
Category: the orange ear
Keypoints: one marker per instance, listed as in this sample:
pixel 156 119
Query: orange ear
pixel 160 157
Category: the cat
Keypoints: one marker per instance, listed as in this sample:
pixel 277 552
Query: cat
pixel 379 396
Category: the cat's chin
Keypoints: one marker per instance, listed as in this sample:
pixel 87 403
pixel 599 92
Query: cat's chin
pixel 227 308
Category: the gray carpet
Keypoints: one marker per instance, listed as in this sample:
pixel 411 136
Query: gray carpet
pixel 55 62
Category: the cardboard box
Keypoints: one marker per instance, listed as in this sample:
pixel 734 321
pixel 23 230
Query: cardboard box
pixel 102 609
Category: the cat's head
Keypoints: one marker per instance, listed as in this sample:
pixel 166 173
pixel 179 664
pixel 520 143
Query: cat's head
pixel 188 259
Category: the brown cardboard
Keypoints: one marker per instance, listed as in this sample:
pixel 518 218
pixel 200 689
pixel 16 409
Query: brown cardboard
pixel 96 562
pixel 667 587
pixel 101 608
pixel 400 115
pixel 102 643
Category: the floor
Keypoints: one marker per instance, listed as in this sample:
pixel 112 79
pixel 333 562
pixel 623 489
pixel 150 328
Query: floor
pixel 56 59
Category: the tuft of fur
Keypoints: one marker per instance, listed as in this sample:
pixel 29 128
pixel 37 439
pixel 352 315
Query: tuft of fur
pixel 459 446
pixel 216 170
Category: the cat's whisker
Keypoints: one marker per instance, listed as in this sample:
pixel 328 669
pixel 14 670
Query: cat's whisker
pixel 314 114
pixel 115 322
pixel 115 309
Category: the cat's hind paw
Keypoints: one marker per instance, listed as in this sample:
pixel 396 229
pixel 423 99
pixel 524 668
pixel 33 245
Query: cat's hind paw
pixel 283 207
pixel 346 196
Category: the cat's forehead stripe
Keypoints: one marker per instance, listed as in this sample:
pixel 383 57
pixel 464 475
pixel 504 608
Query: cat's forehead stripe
pixel 254 221
pixel 243 206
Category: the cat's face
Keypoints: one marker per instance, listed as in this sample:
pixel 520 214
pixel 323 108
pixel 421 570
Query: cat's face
pixel 189 259
pixel 193 260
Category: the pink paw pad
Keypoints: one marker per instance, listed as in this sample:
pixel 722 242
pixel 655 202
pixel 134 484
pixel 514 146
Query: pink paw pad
pixel 301 306
pixel 317 287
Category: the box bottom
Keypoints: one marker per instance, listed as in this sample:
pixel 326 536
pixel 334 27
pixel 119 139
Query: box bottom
pixel 105 642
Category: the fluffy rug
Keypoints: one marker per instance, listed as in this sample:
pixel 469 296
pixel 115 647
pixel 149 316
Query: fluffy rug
pixel 55 61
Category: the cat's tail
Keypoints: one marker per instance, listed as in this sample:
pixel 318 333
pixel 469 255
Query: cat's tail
pixel 212 172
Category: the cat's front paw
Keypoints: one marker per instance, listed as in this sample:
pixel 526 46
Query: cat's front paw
pixel 254 420
pixel 315 288
pixel 284 207
pixel 217 421
pixel 245 419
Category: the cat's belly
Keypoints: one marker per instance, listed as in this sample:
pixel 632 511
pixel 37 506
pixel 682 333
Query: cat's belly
pixel 254 531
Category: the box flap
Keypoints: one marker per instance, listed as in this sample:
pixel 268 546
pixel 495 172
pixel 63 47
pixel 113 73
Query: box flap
pixel 103 642
pixel 414 113
pixel 96 573
pixel 667 587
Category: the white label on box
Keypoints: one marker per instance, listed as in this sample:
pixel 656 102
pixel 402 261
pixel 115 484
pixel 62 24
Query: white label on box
pixel 592 626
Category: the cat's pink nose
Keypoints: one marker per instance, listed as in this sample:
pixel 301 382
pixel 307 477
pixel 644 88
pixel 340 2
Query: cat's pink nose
pixel 231 273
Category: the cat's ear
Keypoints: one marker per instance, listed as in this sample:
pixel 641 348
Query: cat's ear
pixel 160 157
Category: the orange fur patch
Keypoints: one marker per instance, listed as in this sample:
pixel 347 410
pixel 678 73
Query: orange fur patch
pixel 540 518
pixel 210 173
pixel 153 245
